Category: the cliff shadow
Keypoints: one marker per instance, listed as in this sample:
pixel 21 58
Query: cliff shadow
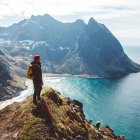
pixel 41 111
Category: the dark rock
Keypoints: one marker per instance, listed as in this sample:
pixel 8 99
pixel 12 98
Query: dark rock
pixel 107 126
pixel 97 125
pixel 79 104
pixel 90 121
pixel 79 137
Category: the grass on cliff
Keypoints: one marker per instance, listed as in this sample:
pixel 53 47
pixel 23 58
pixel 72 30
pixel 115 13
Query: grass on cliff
pixel 39 123
pixel 54 119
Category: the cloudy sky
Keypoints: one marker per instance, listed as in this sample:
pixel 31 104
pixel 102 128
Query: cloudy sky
pixel 122 17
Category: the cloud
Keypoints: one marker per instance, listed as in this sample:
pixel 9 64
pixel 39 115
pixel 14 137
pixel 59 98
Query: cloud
pixel 116 8
pixel 7 20
pixel 115 14
pixel 26 8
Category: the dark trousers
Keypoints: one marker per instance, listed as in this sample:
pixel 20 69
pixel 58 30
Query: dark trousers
pixel 37 90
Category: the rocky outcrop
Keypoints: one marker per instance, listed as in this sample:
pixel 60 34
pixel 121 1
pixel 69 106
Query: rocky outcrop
pixel 54 118
pixel 11 81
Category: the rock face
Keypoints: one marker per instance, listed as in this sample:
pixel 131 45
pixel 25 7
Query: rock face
pixel 103 53
pixel 10 77
pixel 54 118
pixel 74 48
pixel 4 71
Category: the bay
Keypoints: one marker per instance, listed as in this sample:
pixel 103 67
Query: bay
pixel 113 102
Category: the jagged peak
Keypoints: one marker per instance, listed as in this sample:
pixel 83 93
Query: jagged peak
pixel 92 21
pixel 47 16
pixel 44 18
pixel 41 16
pixel 80 21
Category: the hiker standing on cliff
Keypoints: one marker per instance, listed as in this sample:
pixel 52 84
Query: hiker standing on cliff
pixel 37 78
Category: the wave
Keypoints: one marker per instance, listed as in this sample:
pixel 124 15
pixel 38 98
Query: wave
pixel 23 95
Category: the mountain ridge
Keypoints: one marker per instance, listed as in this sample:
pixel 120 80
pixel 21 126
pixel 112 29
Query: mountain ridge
pixel 94 49
pixel 55 117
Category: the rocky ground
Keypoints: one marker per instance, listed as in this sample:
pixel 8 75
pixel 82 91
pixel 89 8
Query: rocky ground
pixel 11 88
pixel 53 118
pixel 12 71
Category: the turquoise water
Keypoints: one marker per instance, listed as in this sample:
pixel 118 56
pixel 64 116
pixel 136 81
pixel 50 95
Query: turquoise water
pixel 113 102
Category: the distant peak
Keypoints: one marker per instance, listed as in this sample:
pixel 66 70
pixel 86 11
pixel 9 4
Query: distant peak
pixel 46 16
pixel 79 21
pixel 92 21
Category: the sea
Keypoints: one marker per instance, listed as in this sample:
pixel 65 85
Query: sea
pixel 112 102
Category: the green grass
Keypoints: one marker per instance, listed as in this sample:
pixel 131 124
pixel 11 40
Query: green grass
pixel 31 128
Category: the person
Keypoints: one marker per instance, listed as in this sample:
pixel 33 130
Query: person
pixel 37 78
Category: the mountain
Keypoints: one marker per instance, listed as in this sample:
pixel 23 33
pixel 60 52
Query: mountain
pixel 54 118
pixel 103 53
pixel 10 77
pixel 74 48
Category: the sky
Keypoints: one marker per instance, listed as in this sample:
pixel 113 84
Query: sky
pixel 122 17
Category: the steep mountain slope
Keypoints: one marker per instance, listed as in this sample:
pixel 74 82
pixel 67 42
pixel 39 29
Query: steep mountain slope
pixel 103 53
pixel 10 77
pixel 54 118
pixel 75 48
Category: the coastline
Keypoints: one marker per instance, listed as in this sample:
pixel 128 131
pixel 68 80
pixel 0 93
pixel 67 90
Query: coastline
pixel 21 97
pixel 73 76
pixel 28 84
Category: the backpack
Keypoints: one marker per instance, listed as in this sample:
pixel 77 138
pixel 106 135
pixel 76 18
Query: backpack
pixel 29 74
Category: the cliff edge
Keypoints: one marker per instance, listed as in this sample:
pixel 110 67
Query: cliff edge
pixel 54 118
pixel 11 77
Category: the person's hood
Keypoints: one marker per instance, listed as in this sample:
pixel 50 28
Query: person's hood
pixel 36 62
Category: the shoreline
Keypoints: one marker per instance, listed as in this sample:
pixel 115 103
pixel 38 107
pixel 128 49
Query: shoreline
pixel 73 76
pixel 28 83
pixel 21 97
